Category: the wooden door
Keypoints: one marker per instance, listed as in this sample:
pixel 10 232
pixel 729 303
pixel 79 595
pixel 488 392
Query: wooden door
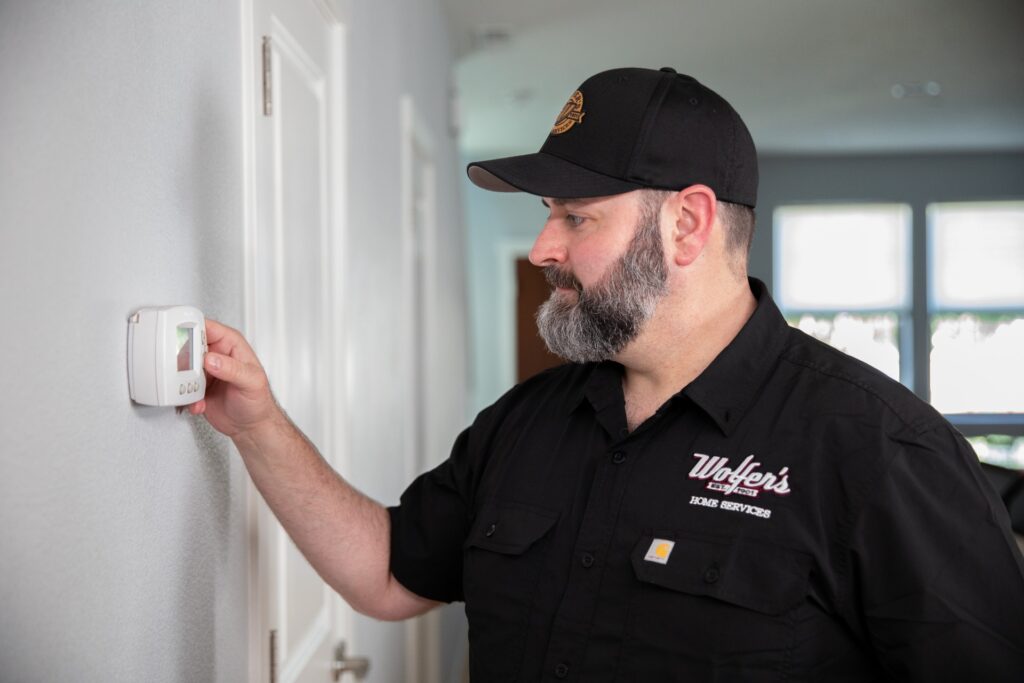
pixel 532 290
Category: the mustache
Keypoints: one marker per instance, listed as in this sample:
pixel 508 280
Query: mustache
pixel 557 277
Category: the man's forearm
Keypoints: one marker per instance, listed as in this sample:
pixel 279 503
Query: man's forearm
pixel 344 534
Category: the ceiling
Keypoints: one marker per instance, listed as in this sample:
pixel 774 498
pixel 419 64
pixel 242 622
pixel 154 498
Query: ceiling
pixel 808 76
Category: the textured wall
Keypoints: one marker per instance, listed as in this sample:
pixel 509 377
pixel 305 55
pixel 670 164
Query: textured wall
pixel 122 527
pixel 123 547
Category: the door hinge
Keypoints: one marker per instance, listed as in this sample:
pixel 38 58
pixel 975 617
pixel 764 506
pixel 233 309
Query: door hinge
pixel 268 102
pixel 273 656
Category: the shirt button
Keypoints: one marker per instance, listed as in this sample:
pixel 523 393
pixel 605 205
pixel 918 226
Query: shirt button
pixel 711 574
pixel 587 560
pixel 618 457
pixel 490 530
pixel 561 670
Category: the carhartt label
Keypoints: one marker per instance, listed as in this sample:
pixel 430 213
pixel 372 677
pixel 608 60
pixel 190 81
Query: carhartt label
pixel 745 479
pixel 659 551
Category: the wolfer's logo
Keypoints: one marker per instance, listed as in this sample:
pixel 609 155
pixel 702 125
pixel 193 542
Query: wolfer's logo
pixel 571 114
pixel 744 479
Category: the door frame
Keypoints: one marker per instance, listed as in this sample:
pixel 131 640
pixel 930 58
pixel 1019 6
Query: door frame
pixel 422 634
pixel 251 110
pixel 505 253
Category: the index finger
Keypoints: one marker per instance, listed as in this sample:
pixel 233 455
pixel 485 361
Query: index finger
pixel 228 341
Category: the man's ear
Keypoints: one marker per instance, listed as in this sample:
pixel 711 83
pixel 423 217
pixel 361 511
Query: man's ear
pixel 693 212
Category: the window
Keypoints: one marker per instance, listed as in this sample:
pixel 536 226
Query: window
pixel 976 302
pixel 845 274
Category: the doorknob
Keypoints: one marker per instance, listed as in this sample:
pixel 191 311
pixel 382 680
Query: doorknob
pixel 357 666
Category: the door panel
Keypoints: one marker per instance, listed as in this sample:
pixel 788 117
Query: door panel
pixel 293 257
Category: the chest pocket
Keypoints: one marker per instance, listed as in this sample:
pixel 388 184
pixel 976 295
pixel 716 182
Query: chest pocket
pixel 504 554
pixel 721 609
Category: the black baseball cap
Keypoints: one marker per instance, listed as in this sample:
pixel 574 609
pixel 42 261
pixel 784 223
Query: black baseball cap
pixel 628 129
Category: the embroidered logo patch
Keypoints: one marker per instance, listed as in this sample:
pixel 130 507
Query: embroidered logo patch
pixel 571 114
pixel 659 551
pixel 745 479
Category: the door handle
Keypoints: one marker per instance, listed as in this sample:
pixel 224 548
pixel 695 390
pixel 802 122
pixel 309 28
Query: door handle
pixel 357 666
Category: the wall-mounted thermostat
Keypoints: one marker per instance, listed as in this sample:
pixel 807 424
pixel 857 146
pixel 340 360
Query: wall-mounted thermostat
pixel 166 347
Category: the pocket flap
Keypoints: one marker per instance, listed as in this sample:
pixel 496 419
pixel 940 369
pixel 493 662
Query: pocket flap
pixel 752 574
pixel 509 528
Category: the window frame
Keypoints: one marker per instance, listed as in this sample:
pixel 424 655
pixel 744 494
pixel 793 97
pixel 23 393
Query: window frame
pixel 914 328
pixel 904 322
pixel 969 424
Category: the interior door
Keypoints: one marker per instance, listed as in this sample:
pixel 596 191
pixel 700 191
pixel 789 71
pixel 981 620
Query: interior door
pixel 294 257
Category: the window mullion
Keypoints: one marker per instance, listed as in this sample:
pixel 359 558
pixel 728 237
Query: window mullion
pixel 920 342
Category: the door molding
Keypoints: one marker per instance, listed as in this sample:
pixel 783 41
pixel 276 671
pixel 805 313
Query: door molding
pixel 258 516
pixel 419 236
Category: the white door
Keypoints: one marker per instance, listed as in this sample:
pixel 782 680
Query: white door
pixel 294 241
pixel 419 211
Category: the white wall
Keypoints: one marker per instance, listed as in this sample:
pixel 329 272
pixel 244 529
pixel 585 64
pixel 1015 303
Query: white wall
pixel 122 550
pixel 123 547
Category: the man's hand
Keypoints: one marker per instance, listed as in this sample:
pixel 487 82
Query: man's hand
pixel 238 397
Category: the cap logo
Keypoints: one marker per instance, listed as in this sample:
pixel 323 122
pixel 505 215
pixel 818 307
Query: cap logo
pixel 571 114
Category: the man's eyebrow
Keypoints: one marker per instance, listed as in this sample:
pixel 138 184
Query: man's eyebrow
pixel 560 201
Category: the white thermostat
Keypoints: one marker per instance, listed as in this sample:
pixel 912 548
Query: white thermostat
pixel 166 347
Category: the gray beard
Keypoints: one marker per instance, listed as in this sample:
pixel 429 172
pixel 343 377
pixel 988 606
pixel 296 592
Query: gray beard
pixel 608 316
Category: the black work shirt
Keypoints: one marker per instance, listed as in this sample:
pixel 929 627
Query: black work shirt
pixel 790 514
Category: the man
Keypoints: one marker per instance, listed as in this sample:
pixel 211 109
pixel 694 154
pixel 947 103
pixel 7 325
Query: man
pixel 703 492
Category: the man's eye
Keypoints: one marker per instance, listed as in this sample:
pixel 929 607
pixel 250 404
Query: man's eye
pixel 573 220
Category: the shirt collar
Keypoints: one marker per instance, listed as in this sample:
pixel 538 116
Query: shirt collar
pixel 728 386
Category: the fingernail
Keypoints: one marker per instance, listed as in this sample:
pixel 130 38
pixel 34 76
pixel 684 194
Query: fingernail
pixel 214 362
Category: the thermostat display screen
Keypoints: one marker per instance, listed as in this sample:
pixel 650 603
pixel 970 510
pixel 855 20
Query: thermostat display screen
pixel 184 348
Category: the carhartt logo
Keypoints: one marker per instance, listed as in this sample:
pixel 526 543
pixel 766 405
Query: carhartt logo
pixel 744 479
pixel 659 551
pixel 571 114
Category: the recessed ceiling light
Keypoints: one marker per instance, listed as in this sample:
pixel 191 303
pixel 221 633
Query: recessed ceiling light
pixel 491 36
pixel 901 91
pixel 522 95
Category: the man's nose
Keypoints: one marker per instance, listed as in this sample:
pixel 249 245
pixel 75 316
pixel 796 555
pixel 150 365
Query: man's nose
pixel 548 249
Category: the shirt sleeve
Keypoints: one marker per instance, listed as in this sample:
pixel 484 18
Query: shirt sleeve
pixel 429 526
pixel 939 580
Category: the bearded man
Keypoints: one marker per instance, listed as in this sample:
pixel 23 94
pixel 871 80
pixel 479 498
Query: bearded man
pixel 702 493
